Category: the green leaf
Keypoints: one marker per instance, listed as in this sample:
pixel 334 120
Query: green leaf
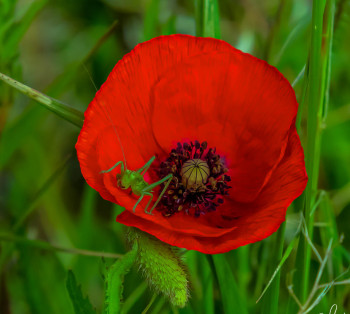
pixel 81 305
pixel 64 111
pixel 207 18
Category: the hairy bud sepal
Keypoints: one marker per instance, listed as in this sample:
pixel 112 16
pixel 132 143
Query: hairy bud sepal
pixel 162 267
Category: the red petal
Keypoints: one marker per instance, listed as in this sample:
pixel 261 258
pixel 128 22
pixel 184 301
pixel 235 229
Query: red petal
pixel 256 220
pixel 236 102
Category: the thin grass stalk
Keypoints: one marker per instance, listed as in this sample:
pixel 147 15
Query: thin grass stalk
pixel 270 302
pixel 318 88
pixel 207 18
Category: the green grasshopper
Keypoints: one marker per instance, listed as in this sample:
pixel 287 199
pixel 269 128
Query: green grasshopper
pixel 135 180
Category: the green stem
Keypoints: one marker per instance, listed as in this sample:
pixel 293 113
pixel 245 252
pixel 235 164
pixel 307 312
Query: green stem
pixel 51 247
pixel 115 280
pixel 149 304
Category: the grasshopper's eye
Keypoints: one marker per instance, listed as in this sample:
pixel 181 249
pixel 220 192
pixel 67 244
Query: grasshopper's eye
pixel 200 180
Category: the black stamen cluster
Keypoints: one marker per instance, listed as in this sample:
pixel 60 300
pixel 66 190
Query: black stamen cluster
pixel 205 198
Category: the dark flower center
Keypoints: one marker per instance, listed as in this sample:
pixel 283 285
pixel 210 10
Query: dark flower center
pixel 199 181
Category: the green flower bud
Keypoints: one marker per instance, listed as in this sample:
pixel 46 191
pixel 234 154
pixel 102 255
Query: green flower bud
pixel 162 267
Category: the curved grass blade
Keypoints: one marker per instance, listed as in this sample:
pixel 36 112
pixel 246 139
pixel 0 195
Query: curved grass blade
pixel 134 298
pixel 64 111
pixel 279 266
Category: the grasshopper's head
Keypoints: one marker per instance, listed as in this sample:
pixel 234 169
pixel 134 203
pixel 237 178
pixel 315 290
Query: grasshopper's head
pixel 127 179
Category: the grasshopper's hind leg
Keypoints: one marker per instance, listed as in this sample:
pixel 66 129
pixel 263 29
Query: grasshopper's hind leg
pixel 148 190
pixel 116 165
pixel 140 199
pixel 168 178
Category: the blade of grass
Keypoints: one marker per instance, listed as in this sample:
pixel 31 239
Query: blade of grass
pixel 322 18
pixel 286 254
pixel 270 302
pixel 149 304
pixel 230 294
pixel 86 220
pixel 170 26
pixel 274 29
pixel 193 264
pixel 158 307
pixel 299 76
pixel 207 18
pixel 151 20
pixel 318 278
pixel 134 297
pixel 243 267
pixel 330 231
pixel 304 91
pixel 299 28
pixel 62 110
pixel 207 282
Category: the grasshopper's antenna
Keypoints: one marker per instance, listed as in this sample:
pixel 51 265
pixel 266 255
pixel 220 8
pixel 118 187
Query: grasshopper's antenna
pixel 108 116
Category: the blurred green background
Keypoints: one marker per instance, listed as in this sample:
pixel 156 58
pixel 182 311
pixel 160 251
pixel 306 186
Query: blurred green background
pixel 43 196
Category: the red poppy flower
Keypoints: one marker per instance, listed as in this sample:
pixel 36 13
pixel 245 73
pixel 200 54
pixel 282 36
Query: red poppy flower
pixel 181 98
